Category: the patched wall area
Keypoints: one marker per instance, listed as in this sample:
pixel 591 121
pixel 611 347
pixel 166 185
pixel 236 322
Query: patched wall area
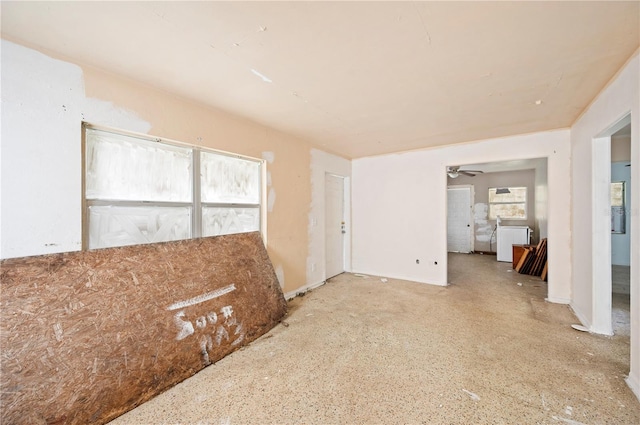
pixel 45 100
pixel 484 226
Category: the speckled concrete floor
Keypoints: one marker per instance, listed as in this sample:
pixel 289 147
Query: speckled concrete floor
pixel 484 350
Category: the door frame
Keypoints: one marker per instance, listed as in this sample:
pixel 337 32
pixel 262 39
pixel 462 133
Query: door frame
pixel 472 222
pixel 601 228
pixel 346 214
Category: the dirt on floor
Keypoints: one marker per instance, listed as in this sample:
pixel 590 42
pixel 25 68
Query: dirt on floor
pixel 487 349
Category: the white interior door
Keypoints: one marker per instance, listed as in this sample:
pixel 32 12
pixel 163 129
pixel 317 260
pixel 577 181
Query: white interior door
pixel 459 219
pixel 334 225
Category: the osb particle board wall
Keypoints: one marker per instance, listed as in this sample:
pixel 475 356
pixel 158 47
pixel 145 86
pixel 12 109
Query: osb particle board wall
pixel 87 336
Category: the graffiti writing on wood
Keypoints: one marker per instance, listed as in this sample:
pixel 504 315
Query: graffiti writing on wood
pixel 210 329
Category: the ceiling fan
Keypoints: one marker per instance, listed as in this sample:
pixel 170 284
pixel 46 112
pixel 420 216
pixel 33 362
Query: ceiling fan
pixel 455 171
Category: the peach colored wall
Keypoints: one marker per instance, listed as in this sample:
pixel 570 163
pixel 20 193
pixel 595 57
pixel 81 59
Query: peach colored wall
pixel 179 119
pixel 45 101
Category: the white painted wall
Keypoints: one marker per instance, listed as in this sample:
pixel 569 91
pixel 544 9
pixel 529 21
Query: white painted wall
pixel 399 207
pixel 43 104
pixel 321 164
pixel 619 98
pixel 620 148
pixel 541 230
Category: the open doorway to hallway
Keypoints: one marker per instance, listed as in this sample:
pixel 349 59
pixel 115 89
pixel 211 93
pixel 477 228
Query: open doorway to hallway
pixel 606 221
pixel 524 207
pixel 621 189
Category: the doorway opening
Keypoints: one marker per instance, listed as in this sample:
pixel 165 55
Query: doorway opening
pixel 460 218
pixel 525 206
pixel 621 189
pixel 334 225
pixel 601 249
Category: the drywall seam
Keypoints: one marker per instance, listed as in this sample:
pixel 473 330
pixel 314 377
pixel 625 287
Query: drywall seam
pixel 43 106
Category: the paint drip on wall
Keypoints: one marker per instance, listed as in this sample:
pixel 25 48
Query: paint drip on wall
pixel 268 156
pixel 271 195
pixel 271 199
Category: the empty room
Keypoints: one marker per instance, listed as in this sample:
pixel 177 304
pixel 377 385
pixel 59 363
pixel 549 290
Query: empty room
pixel 320 212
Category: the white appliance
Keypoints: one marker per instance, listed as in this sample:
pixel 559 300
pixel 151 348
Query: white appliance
pixel 508 236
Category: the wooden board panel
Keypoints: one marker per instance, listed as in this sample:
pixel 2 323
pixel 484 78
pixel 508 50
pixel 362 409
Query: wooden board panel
pixel 87 336
pixel 543 276
pixel 523 259
pixel 517 251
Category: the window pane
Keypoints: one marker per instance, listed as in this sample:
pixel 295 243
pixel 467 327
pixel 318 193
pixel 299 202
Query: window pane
pixel 118 226
pixel 127 168
pixel 225 221
pixel 509 194
pixel 507 211
pixel 229 180
pixel 617 194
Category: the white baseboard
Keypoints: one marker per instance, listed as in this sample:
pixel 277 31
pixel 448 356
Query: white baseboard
pixel 634 383
pixel 292 294
pixel 558 300
pixel 581 317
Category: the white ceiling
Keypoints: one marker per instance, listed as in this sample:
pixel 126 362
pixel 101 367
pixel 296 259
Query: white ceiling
pixel 354 78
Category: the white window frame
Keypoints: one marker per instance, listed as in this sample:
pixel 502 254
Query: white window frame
pixel 525 203
pixel 196 203
pixel 618 208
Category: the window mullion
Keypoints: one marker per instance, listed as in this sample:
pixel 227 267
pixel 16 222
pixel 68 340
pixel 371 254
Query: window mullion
pixel 228 205
pixel 197 207
pixel 234 174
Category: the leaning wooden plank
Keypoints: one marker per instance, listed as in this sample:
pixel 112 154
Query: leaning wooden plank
pixel 543 258
pixel 536 269
pixel 87 336
pixel 541 255
pixel 523 259
pixel 545 270
pixel 528 264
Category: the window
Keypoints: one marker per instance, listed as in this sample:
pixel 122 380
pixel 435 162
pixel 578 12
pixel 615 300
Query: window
pixel 618 213
pixel 140 190
pixel 508 203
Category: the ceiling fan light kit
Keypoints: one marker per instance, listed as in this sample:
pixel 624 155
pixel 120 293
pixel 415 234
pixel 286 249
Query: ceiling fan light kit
pixel 454 172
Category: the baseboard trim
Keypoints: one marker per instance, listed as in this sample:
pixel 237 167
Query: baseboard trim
pixel 485 252
pixel 302 290
pixel 559 301
pixel 634 383
pixel 586 323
